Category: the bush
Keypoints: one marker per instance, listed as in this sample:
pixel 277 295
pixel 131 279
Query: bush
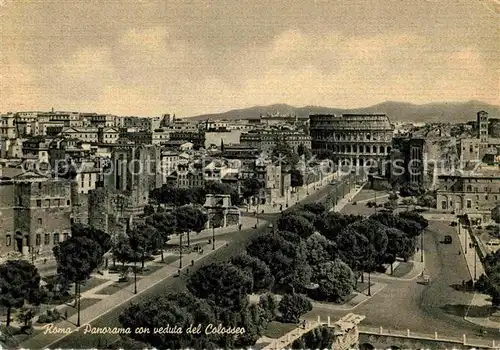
pixel 292 306
pixel 49 316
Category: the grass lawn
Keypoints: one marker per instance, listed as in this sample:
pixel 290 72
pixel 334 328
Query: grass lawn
pixel 276 330
pixel 17 337
pixel 402 269
pixel 90 283
pixel 115 287
pixel 362 287
pixel 148 270
pixel 84 303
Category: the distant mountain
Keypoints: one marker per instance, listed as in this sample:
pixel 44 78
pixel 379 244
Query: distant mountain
pixel 397 111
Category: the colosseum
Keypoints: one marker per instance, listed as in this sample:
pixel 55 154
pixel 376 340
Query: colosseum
pixel 354 139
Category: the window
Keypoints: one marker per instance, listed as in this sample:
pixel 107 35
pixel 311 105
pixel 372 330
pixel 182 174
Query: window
pixel 443 204
pixel 469 188
pixel 39 203
pixel 47 203
pixel 56 238
pixel 67 202
pixel 38 239
pixel 486 197
pixel 469 203
pixel 39 221
pixel 8 240
pixel 46 240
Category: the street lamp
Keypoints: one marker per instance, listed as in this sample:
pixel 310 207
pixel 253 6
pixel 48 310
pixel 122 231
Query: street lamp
pixel 213 231
pixel 180 250
pixel 422 246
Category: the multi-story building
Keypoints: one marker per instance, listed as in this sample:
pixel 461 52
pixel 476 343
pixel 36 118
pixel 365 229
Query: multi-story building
pixel 139 137
pixel 408 162
pixel 356 139
pixel 36 212
pixel 187 175
pixel 485 146
pixel 472 193
pixel 197 138
pixel 266 140
pixel 37 148
pixel 86 134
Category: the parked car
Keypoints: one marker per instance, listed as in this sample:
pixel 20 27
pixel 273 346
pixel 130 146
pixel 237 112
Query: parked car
pixel 447 239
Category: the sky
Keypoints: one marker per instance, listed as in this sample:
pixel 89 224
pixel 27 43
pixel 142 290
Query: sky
pixel 189 57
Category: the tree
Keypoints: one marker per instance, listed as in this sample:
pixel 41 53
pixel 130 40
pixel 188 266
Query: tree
pixel 214 187
pixel 296 224
pixel 395 240
pixel 189 219
pixel 376 236
pixel 121 248
pixel 269 304
pixel 100 237
pixel 263 280
pixel 165 225
pixel 296 178
pixel 226 285
pixel 319 250
pixel 414 216
pixel 19 281
pixel 26 314
pixel 144 239
pixel 250 188
pixel 292 306
pixel 287 260
pixel 335 279
pixel 495 214
pixel 331 224
pixel 353 248
pixel 317 209
pixel 155 313
pixel 77 258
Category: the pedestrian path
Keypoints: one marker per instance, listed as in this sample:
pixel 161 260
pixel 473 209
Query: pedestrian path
pixel 472 259
pixel 347 199
pixel 294 198
pixel 476 269
pixel 246 222
pixel 113 301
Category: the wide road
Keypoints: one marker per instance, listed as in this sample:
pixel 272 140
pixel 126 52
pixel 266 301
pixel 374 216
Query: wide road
pixel 237 241
pixel 437 307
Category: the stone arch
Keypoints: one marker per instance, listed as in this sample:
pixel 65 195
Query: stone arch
pixel 374 149
pixel 348 148
pixel 355 148
pixel 366 346
pixel 342 149
pixel 382 149
pixel 367 149
pixel 388 149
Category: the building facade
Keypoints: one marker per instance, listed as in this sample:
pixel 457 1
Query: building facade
pixel 357 139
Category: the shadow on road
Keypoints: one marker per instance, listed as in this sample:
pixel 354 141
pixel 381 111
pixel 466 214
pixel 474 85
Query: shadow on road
pixel 461 310
pixel 463 288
